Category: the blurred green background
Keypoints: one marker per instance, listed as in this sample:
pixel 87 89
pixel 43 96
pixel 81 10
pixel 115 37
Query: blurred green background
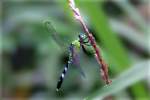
pixel 31 61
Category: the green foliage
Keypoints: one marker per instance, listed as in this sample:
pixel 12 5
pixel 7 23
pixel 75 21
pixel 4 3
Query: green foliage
pixel 23 24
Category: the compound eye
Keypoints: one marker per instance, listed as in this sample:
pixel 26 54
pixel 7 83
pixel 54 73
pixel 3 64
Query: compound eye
pixel 83 36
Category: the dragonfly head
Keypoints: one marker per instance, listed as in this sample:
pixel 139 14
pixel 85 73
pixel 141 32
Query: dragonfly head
pixel 82 36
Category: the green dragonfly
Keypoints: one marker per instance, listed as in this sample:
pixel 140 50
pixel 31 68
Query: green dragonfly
pixel 81 43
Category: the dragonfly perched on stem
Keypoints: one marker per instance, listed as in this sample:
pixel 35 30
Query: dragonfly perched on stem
pixel 73 49
pixel 84 40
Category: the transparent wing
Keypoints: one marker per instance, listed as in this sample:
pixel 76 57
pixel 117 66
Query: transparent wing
pixel 54 34
pixel 76 59
pixel 73 59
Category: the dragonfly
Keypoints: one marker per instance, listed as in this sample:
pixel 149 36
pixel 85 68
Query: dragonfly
pixel 75 47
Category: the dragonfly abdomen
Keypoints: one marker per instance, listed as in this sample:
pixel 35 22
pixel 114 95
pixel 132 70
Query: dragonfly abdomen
pixel 62 76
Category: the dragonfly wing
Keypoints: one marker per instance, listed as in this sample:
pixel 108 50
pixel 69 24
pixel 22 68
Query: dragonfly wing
pixel 54 34
pixel 76 60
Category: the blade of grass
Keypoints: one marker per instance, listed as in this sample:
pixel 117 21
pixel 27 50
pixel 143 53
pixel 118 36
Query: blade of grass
pixel 132 75
pixel 131 34
pixel 133 14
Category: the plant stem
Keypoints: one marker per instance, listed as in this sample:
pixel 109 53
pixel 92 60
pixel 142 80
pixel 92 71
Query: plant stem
pixel 102 64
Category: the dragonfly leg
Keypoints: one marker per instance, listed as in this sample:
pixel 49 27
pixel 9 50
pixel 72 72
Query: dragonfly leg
pixel 83 39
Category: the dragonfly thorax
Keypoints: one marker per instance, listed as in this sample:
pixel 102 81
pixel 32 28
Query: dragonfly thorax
pixel 76 43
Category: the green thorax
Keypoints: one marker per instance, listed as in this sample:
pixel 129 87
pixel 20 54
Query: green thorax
pixel 76 44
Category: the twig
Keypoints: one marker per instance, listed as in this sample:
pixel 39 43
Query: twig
pixel 102 64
